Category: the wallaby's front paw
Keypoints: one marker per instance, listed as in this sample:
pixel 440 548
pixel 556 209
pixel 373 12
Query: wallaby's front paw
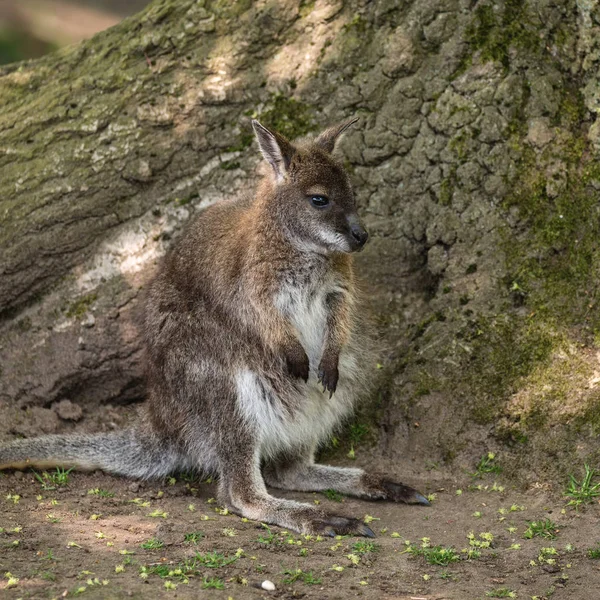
pixel 297 362
pixel 328 374
pixel 331 525
pixel 398 492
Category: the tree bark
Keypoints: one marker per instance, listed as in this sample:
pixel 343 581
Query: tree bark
pixel 474 165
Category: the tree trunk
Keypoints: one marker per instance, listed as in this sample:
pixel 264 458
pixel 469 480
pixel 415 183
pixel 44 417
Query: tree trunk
pixel 474 164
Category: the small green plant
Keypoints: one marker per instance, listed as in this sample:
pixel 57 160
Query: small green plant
pixel 364 547
pixel 100 492
pixel 487 464
pixel 193 538
pixel 333 495
pixel 584 491
pixel 310 579
pixel 214 560
pixel 544 529
pixel 53 519
pixel 501 593
pixel 50 481
pixel 160 570
pixel 152 544
pixel 435 555
pixel 292 575
pixel 594 552
pixel 181 571
pixel 212 583
pixel 267 538
pixel 357 432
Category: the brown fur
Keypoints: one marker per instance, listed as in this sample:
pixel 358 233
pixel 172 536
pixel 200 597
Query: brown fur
pixel 254 349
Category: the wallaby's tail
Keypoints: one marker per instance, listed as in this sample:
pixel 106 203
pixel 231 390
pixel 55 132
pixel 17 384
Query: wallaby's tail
pixel 125 452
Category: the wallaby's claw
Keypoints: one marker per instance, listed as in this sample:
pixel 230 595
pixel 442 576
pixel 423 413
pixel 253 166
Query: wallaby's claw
pixel 398 492
pixel 420 499
pixel 328 378
pixel 331 526
pixel 367 531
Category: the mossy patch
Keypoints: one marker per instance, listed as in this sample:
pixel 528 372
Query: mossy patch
pixel 353 43
pixel 447 188
pixel 553 393
pixel 78 308
pixel 493 32
pixel 534 356
pixel 228 9
pixel 555 267
pixel 230 165
pixel 306 7
pixel 288 116
pixel 502 351
pixel 244 141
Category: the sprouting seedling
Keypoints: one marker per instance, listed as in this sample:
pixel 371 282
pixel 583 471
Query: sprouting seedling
pixel 100 492
pixel 53 519
pixel 584 491
pixel 333 495
pixel 152 544
pixel 212 583
pixel 487 464
pixel 435 555
pixel 501 593
pixel 193 537
pixel 594 552
pixel 365 547
pixel 214 560
pixel 293 575
pixel 545 529
pixel 50 481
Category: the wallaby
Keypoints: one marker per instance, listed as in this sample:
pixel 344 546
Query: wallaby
pixel 254 349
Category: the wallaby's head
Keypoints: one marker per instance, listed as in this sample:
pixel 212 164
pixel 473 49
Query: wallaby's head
pixel 312 198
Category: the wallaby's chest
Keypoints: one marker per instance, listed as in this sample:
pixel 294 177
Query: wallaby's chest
pixel 304 302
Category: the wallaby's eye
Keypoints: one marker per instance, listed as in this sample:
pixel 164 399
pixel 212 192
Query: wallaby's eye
pixel 319 201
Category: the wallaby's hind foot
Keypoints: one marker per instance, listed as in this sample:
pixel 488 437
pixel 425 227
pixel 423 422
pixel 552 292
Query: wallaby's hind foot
pixel 303 475
pixel 332 525
pixel 297 516
pixel 244 493
pixel 398 492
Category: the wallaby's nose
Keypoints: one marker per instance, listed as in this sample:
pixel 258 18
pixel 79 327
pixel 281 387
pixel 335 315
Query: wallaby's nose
pixel 359 234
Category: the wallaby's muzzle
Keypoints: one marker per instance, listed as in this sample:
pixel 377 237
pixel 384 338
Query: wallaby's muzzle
pixel 358 237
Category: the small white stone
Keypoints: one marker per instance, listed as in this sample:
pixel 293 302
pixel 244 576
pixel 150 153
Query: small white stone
pixel 268 585
pixel 89 320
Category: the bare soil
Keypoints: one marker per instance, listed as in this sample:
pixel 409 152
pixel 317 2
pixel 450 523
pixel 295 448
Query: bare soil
pixel 85 539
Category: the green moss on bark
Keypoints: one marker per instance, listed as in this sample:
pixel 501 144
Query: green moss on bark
pixel 288 116
pixel 78 308
pixel 495 30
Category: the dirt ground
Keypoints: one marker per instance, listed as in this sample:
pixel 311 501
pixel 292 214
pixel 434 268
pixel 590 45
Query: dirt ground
pixel 98 536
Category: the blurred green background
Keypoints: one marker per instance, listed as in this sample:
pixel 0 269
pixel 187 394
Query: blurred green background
pixel 31 28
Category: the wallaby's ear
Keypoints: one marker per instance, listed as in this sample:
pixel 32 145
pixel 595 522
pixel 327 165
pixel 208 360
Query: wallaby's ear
pixel 275 148
pixel 329 137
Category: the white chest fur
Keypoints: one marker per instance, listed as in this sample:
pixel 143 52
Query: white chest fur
pixel 316 414
pixel 307 310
